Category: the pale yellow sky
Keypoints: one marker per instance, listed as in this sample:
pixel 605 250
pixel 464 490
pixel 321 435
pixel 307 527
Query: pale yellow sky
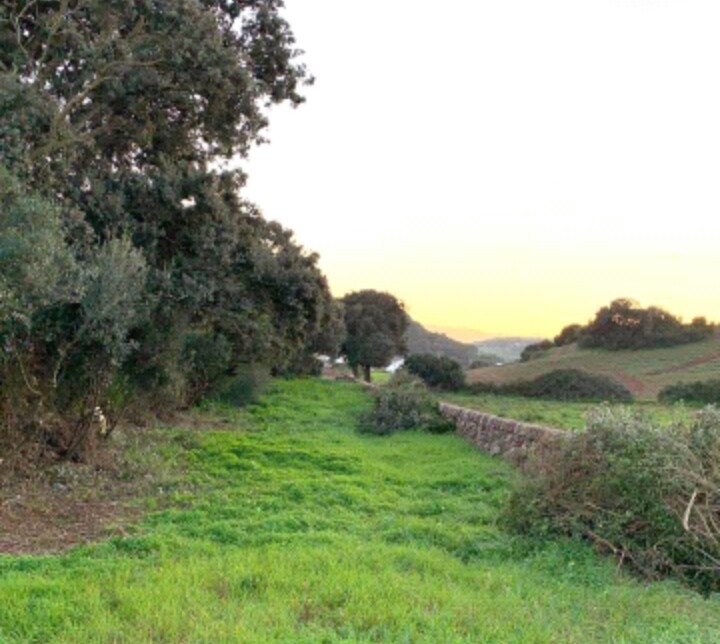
pixel 508 166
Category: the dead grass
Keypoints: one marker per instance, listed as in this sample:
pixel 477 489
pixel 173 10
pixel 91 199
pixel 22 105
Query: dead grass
pixel 645 372
pixel 48 505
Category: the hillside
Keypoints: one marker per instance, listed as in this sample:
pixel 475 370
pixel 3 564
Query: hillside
pixel 645 372
pixel 298 528
pixel 420 340
pixel 507 349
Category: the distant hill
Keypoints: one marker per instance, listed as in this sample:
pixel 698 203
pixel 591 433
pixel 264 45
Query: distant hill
pixel 507 349
pixel 644 371
pixel 420 340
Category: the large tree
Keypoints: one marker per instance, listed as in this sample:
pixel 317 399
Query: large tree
pixel 376 324
pixel 118 119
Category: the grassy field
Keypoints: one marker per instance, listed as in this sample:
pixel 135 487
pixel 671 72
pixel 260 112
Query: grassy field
pixel 293 527
pixel 644 372
pixel 380 377
pixel 565 415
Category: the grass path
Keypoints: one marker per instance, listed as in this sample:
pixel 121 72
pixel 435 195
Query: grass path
pixel 300 529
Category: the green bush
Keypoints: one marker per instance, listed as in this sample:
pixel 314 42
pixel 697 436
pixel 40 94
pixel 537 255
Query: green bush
pixel 562 384
pixel 438 372
pixel 648 495
pixel 206 358
pixel 244 387
pixel 404 403
pixel 568 335
pixel 701 391
pixel 533 351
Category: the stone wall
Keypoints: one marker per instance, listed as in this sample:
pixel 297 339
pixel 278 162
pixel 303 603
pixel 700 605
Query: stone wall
pixel 509 439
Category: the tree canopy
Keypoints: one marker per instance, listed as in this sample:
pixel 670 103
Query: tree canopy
pixel 126 242
pixel 376 323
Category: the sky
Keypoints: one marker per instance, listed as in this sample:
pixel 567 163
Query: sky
pixel 505 167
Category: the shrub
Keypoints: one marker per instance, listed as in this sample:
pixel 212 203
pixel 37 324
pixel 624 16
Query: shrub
pixel 483 362
pixel 573 384
pixel 244 387
pixel 701 391
pixel 439 372
pixel 647 495
pixel 206 358
pixel 561 384
pixel 404 403
pixel 568 335
pixel 533 351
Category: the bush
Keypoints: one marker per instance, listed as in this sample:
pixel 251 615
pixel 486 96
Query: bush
pixel 701 391
pixel 561 384
pixel 206 358
pixel 568 335
pixel 533 351
pixel 404 403
pixel 243 388
pixel 439 372
pixel 647 495
pixel 483 363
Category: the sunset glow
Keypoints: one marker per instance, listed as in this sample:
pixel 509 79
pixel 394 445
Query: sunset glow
pixel 505 168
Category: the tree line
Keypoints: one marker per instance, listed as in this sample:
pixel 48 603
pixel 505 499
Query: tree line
pixel 624 324
pixel 132 272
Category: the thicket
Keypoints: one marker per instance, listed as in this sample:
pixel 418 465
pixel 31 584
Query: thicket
pixel 533 351
pixel 701 391
pixel 132 272
pixel 438 372
pixel 404 403
pixel 561 384
pixel 625 325
pixel 648 495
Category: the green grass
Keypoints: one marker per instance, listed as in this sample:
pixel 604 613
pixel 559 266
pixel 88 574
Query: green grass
pixel 380 377
pixel 645 372
pixel 552 413
pixel 300 529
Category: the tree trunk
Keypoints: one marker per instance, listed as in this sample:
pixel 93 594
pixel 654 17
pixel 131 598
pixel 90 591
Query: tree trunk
pixel 366 373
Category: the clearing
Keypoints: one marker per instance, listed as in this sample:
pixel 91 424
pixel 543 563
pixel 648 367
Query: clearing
pixel 292 527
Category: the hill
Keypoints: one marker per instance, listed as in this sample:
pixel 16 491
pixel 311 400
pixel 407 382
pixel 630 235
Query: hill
pixel 420 340
pixel 507 349
pixel 644 371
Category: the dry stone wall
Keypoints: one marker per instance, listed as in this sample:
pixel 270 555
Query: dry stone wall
pixel 509 439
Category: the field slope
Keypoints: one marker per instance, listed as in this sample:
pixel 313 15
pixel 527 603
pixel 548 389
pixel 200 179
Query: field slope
pixel 645 372
pixel 299 529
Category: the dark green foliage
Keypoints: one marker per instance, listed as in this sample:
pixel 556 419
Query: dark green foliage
pixel 648 495
pixel 127 252
pixel 437 372
pixel 562 384
pixel 207 359
pixel 244 387
pixel 701 391
pixel 376 324
pixel 404 403
pixel 568 335
pixel 486 360
pixel 533 351
pixel 625 325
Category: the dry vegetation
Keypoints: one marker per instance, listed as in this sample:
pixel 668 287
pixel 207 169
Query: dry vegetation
pixel 645 372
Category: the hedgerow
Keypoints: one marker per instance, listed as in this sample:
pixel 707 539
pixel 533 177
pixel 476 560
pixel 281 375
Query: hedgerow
pixel 648 495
